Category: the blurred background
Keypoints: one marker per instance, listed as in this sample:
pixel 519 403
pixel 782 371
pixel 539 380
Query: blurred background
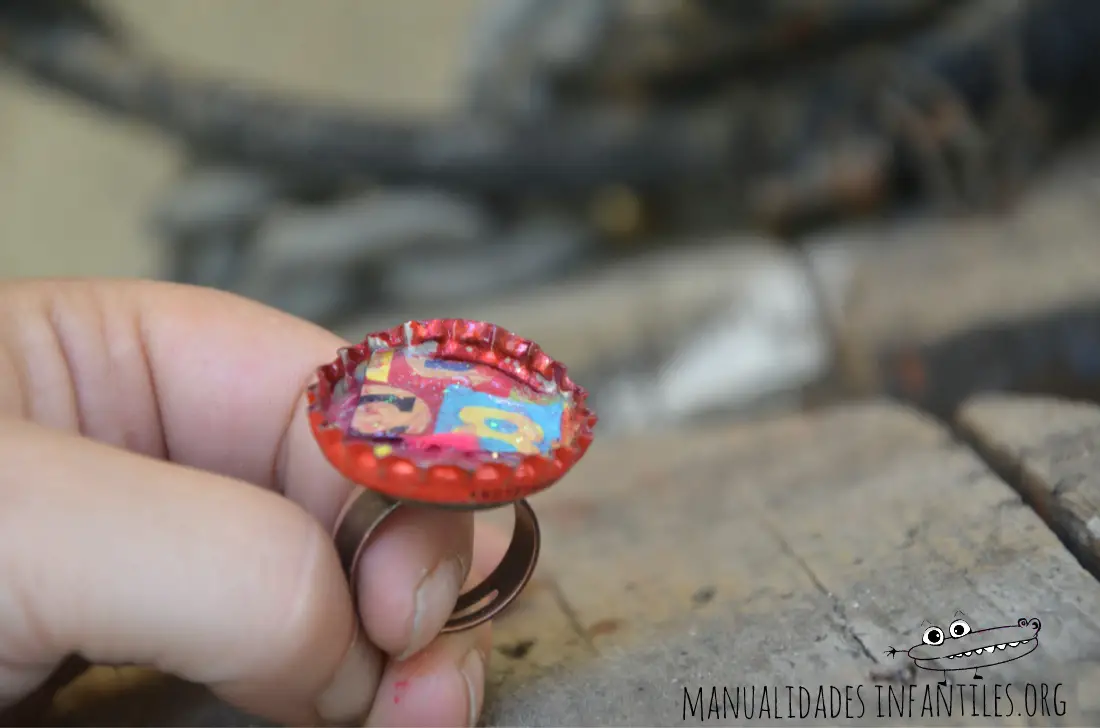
pixel 703 207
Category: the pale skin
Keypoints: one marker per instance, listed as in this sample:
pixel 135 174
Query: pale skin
pixel 163 502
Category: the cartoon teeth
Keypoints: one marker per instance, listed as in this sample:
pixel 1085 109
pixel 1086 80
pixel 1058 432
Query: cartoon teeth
pixel 990 649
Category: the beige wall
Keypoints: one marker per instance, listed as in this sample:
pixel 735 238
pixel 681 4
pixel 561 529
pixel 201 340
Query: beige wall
pixel 75 186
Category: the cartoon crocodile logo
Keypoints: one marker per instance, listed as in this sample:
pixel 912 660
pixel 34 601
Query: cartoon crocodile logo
pixel 961 648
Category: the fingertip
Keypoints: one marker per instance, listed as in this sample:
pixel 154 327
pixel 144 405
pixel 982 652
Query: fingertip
pixel 442 685
pixel 410 576
pixel 490 544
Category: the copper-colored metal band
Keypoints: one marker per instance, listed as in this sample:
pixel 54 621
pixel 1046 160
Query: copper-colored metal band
pixel 366 510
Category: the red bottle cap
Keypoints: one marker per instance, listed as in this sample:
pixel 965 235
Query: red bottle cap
pixel 449 412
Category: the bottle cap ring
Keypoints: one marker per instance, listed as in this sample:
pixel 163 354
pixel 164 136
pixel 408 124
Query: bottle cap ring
pixel 454 414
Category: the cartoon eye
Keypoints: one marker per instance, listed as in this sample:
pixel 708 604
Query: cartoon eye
pixel 933 636
pixel 959 628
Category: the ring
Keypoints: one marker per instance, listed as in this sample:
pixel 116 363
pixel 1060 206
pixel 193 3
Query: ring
pixel 366 510
pixel 451 414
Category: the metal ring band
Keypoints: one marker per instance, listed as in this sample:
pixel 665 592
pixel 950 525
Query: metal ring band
pixel 366 510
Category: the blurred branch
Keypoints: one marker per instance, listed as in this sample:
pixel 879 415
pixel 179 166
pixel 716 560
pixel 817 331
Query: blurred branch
pixel 737 135
pixel 733 42
pixel 296 138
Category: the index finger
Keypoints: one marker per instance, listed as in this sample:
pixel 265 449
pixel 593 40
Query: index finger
pixel 216 382
pixel 196 376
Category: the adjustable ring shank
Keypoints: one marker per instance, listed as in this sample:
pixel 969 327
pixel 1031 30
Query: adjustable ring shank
pixel 366 511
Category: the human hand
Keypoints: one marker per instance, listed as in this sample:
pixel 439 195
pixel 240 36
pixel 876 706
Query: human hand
pixel 163 502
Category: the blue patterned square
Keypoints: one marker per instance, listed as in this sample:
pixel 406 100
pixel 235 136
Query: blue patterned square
pixel 501 424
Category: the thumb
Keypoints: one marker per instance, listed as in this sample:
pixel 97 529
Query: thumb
pixel 124 559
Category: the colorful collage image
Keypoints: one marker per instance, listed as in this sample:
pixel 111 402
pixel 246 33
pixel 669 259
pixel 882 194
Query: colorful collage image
pixel 408 403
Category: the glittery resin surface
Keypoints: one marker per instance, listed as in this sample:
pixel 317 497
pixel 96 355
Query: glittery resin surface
pixel 443 411
pixel 409 421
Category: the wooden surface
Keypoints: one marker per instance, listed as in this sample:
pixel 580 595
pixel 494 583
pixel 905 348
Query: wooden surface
pixel 792 552
pixel 1051 450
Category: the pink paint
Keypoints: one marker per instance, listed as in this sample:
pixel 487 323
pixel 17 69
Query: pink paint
pixel 455 440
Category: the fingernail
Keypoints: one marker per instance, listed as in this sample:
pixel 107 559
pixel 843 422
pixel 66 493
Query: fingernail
pixel 473 672
pixel 348 697
pixel 432 605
